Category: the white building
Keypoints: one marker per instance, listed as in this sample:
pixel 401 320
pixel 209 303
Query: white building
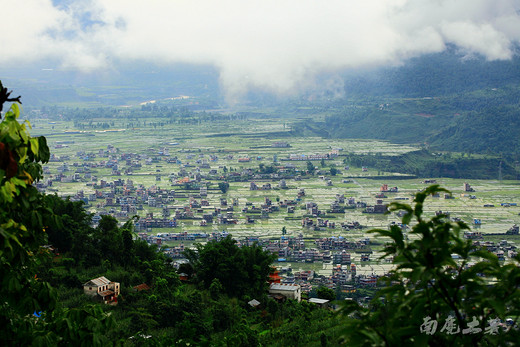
pixel 103 289
pixel 288 290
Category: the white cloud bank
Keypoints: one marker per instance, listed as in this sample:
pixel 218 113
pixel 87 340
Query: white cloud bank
pixel 278 45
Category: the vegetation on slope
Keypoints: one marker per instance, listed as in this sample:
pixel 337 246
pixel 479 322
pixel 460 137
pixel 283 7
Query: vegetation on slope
pixel 30 312
pixel 432 299
pixel 445 101
pixel 424 163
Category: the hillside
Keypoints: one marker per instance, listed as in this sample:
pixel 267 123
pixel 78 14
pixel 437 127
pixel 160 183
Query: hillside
pixel 439 74
pixel 423 163
pixel 480 127
pixel 445 101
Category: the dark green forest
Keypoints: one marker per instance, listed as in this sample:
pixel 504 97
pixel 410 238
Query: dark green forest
pixel 424 163
pixel 490 130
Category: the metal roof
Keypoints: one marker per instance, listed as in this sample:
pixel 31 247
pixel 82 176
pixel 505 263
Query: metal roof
pixel 254 303
pixel 142 286
pixel 288 287
pixel 100 281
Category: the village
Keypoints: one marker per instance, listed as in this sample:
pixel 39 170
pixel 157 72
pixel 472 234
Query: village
pixel 310 215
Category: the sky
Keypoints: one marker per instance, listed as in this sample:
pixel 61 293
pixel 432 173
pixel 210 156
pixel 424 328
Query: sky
pixel 278 46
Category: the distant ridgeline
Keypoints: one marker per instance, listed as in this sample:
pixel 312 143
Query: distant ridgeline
pixel 441 100
pixel 438 74
pixel 491 130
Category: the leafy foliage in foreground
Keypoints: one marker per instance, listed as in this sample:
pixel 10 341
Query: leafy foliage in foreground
pixel 29 309
pixel 429 285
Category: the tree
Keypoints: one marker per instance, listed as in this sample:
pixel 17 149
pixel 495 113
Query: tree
pixel 127 234
pixel 29 310
pixel 5 97
pixel 430 299
pixel 73 230
pixel 215 288
pixel 310 167
pixel 240 271
pixel 325 293
pixel 22 215
pixel 333 171
pixel 223 186
pixel 108 239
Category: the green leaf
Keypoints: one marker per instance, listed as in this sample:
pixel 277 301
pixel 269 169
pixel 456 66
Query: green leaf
pixel 44 152
pixel 499 306
pixel 14 284
pixel 35 147
pixel 486 255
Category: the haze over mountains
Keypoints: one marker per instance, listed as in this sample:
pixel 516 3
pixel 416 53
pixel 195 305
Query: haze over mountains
pixel 430 75
pixel 279 47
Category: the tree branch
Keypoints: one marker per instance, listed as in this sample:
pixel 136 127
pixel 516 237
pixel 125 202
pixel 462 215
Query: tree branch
pixel 5 97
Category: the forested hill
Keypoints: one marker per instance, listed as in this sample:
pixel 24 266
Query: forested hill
pixel 426 164
pixel 436 122
pixel 442 100
pixel 439 74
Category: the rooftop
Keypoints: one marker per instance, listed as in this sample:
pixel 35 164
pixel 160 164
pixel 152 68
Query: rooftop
pixel 100 281
pixel 284 286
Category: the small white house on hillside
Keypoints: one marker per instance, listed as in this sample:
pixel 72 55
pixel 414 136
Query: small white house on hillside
pixel 288 290
pixel 103 289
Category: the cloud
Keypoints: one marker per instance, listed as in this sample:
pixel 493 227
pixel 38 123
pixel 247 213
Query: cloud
pixel 275 45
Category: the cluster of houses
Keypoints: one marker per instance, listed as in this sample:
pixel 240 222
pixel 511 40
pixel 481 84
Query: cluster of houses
pixel 309 157
pixel 123 199
pixel 265 186
pixel 126 163
pixel 384 189
pixel 344 278
pixel 503 249
pixel 121 163
pixel 287 248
